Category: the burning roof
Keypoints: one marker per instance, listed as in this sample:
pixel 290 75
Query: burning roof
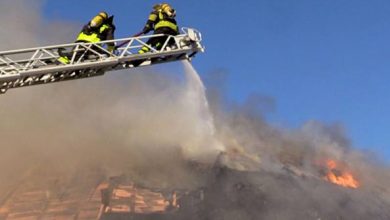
pixel 226 193
pixel 340 176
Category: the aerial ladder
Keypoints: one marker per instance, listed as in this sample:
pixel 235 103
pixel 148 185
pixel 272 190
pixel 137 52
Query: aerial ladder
pixel 34 66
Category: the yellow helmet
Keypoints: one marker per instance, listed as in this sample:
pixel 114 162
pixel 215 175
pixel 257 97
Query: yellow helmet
pixel 167 9
pixel 103 14
pixel 99 19
pixel 156 7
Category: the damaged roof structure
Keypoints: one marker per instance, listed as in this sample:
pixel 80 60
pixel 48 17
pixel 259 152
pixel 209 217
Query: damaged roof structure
pixel 227 193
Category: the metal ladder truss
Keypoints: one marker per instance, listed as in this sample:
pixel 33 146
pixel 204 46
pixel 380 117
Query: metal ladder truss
pixel 27 67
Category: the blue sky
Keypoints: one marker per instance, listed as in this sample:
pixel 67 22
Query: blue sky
pixel 322 60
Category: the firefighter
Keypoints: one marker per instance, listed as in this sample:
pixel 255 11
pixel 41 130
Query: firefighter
pixel 100 28
pixel 162 21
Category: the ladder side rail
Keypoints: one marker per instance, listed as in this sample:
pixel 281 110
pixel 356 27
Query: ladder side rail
pixel 129 50
pixel 144 44
pixel 131 41
pixel 31 60
pixel 177 39
pixel 3 60
pixel 23 63
pixel 85 51
pixel 52 55
pixel 37 62
pixel 177 42
pixel 20 61
pixel 104 52
pixel 38 56
pixel 33 49
pixel 40 62
pixel 56 47
pixel 140 39
pixel 126 49
pixel 89 48
pixel 27 50
pixel 167 41
pixel 26 63
pixel 155 55
pixel 11 63
pixel 61 68
pixel 46 55
pixel 81 51
pixel 101 51
pixel 6 78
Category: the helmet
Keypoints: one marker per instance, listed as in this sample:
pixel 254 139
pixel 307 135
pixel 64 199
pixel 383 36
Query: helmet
pixel 167 9
pixel 103 14
pixel 99 19
pixel 156 7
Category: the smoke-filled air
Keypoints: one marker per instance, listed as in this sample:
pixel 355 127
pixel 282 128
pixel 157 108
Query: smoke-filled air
pixel 161 128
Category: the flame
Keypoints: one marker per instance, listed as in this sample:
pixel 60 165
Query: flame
pixel 132 199
pixel 340 177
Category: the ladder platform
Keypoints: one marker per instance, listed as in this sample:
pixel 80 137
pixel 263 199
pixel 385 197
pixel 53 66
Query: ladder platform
pixel 34 66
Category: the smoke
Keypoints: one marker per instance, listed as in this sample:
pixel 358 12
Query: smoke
pixel 286 179
pixel 147 123
pixel 138 122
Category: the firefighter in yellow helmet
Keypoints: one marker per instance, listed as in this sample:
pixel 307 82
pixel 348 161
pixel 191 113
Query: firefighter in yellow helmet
pixel 100 28
pixel 161 21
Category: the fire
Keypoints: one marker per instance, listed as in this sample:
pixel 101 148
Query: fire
pixel 129 198
pixel 340 177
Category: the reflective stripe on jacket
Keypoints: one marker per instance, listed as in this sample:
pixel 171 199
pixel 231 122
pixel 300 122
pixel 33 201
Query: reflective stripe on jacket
pixel 94 36
pixel 166 22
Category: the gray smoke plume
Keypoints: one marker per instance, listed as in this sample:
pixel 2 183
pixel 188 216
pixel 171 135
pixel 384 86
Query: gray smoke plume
pixel 288 168
pixel 147 123
pixel 129 121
